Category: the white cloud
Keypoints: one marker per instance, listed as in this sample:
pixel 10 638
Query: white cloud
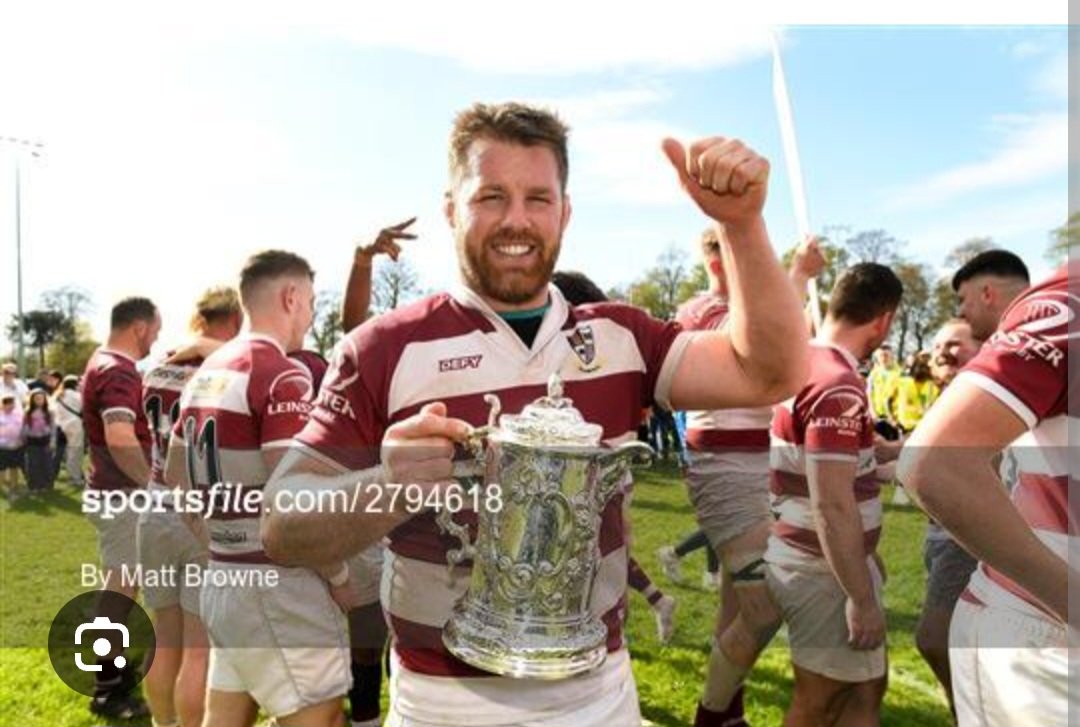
pixel 1028 49
pixel 1029 148
pixel 1022 226
pixel 1052 80
pixel 615 144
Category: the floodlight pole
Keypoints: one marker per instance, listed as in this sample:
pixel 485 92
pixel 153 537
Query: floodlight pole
pixel 18 266
pixel 34 148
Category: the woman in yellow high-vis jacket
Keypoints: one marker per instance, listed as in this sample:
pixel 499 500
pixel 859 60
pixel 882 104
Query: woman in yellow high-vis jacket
pixel 914 393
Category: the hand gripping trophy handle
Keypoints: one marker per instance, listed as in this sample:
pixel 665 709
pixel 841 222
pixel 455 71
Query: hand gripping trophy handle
pixel 470 473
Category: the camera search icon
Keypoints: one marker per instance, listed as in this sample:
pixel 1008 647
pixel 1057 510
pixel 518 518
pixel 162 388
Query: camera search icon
pixel 100 631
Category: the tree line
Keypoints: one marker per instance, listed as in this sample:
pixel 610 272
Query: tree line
pixel 57 334
pixel 928 299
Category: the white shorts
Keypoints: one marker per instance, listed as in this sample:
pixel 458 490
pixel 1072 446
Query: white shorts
pixel 813 607
pixel 727 502
pixel 116 539
pixel 365 573
pixel 285 645
pixel 1009 669
pixel 164 541
pixel 604 697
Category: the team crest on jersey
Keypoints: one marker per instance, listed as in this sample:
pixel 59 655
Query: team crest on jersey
pixel 291 392
pixel 842 408
pixel 584 346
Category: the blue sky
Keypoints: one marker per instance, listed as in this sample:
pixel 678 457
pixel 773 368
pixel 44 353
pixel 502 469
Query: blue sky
pixel 178 145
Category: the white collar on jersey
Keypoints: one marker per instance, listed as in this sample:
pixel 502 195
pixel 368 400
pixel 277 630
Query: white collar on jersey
pixel 114 352
pixel 553 317
pixel 846 354
pixel 253 336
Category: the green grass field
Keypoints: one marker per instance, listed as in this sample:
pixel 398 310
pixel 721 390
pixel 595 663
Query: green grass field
pixel 44 541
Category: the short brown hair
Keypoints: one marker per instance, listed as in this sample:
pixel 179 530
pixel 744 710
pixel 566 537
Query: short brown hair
pixel 511 122
pixel 269 265
pixel 213 305
pixel 864 292
pixel 131 310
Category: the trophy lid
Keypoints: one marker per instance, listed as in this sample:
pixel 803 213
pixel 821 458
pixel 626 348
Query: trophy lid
pixel 550 421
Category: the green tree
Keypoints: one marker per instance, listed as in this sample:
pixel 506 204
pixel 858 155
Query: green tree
pixel 70 301
pixel 326 326
pixel 668 284
pixel 873 246
pixel 70 356
pixel 394 283
pixel 1063 238
pixel 40 328
pixel 966 250
pixel 926 305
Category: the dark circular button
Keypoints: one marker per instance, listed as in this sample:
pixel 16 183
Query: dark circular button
pixel 100 630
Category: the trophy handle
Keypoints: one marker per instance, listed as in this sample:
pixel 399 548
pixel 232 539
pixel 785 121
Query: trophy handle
pixel 467 551
pixel 469 473
pixel 613 466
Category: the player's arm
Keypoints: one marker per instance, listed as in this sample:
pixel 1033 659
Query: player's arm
pixel 806 264
pixel 124 446
pixel 417 451
pixel 357 301
pixel 761 356
pixel 839 527
pixel 948 467
pixel 199 347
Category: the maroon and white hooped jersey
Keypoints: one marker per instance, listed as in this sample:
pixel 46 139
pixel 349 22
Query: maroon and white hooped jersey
pixel 1025 366
pixel 313 362
pixel 247 397
pixel 614 360
pixel 111 383
pixel 162 386
pixel 738 437
pixel 828 420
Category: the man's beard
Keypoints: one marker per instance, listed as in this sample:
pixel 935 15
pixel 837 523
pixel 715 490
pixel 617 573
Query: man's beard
pixel 512 288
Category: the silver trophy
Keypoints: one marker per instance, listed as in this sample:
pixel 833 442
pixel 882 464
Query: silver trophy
pixel 526 612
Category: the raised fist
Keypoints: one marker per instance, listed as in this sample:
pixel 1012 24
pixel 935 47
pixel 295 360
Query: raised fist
pixel 725 178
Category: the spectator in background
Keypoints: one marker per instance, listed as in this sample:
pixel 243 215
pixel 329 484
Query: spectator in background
pixel 67 406
pixel 38 428
pixel 11 443
pixel 881 388
pixel 663 436
pixel 51 381
pixel 10 383
pixel 915 392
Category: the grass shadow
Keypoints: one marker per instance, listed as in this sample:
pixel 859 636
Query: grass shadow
pixel 48 502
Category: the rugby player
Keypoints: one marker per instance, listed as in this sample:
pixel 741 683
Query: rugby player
pixel 176 681
pixel 728 483
pixel 1009 639
pixel 277 640
pixel 985 286
pixel 406 386
pixel 119 439
pixel 823 570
